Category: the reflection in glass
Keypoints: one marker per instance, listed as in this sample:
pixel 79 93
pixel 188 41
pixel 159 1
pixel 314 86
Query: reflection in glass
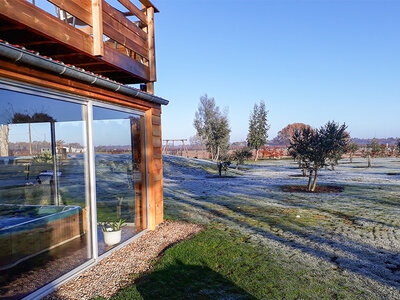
pixel 118 140
pixel 43 199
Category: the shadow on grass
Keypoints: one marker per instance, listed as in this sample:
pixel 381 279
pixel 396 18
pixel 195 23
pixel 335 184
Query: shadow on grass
pixel 183 281
pixel 366 260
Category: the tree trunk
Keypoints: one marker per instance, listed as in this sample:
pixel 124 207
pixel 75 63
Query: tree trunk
pixel 256 154
pixel 237 166
pixel 4 130
pixel 304 172
pixel 30 139
pixel 315 181
pixel 351 158
pixel 309 180
pixel 369 160
pixel 217 155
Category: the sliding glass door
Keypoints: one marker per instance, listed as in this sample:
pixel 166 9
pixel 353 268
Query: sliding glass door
pixel 48 195
pixel 118 139
pixel 44 230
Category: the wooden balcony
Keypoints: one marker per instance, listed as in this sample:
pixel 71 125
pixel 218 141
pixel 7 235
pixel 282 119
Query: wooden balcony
pixel 90 34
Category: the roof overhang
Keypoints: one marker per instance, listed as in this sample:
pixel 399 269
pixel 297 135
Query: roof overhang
pixel 23 56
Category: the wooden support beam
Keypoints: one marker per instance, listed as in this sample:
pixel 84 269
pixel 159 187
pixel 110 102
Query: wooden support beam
pixel 147 3
pixel 120 18
pixel 36 19
pixel 151 44
pixel 151 171
pixel 61 56
pixel 124 36
pixel 88 30
pixel 97 25
pixel 94 63
pixel 106 71
pixel 11 28
pixel 150 87
pixel 116 58
pixel 80 9
pixel 134 10
pixel 37 43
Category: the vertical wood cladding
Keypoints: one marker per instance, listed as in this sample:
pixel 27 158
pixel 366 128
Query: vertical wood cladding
pixel 158 166
pixel 155 175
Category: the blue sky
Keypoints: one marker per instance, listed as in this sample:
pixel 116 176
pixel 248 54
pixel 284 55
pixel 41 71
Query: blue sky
pixel 310 61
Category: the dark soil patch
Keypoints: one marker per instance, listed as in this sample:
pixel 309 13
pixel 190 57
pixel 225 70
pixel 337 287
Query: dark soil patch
pixel 319 189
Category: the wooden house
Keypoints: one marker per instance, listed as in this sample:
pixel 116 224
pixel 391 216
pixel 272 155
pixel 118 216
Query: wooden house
pixel 80 137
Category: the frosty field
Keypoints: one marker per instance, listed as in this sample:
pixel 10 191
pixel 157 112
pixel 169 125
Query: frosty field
pixel 349 240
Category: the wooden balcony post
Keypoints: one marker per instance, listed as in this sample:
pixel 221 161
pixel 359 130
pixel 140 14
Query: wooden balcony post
pixel 151 217
pixel 97 21
pixel 151 47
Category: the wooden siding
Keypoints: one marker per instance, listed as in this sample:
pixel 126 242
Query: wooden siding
pixel 158 167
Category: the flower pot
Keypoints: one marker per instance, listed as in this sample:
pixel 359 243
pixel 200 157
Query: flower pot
pixel 112 237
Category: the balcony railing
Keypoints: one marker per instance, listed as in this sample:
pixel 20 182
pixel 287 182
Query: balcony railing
pixel 120 40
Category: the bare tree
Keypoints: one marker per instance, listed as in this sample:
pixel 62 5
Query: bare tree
pixel 196 141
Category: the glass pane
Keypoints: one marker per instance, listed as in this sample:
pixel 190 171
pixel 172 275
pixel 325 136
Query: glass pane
pixel 118 141
pixel 43 197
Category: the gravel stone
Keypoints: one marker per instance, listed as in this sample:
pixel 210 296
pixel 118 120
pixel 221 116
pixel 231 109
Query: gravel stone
pixel 111 274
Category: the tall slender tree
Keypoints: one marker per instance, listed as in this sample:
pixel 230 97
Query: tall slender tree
pixel 258 128
pixel 212 127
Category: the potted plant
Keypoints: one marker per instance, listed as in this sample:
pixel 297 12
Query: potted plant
pixel 112 231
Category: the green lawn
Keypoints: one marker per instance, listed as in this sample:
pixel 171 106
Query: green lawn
pixel 263 243
pixel 223 264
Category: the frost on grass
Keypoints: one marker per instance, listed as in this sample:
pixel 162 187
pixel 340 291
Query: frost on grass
pixel 352 235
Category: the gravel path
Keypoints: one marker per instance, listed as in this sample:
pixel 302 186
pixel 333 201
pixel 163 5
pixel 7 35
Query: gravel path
pixel 113 272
